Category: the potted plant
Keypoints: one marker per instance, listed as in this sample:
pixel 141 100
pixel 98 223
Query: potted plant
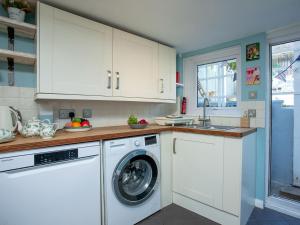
pixel 16 9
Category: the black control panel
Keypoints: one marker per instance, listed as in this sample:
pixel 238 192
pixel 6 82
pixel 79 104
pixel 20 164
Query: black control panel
pixel 150 140
pixel 53 157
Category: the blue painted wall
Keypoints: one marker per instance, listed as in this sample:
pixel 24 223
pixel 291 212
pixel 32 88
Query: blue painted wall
pixel 261 90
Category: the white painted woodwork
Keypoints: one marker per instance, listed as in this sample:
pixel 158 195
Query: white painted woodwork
pixel 167 72
pixel 248 177
pixel 136 61
pixel 166 168
pixel 19 57
pixel 215 176
pixel 198 168
pixel 21 29
pixel 79 59
pixel 77 53
pixel 98 97
pixel 232 175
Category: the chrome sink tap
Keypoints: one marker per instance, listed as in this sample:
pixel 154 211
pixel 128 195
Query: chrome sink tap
pixel 205 121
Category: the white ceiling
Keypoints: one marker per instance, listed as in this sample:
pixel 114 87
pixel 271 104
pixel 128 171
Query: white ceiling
pixel 189 24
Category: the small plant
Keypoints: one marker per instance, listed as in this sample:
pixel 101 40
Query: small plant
pixel 19 4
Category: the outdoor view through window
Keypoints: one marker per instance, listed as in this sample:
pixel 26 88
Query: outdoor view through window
pixel 219 81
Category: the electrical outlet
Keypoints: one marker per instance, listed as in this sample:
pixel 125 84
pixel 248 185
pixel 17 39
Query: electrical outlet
pixel 252 95
pixel 87 113
pixel 251 113
pixel 64 113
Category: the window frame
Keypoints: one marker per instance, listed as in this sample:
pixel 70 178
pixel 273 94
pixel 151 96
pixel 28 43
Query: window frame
pixel 190 71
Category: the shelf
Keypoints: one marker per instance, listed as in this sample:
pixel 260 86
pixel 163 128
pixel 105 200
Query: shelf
pixel 179 85
pixel 21 29
pixel 19 57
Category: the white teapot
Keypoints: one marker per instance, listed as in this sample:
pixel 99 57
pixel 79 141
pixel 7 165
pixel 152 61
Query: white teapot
pixel 30 128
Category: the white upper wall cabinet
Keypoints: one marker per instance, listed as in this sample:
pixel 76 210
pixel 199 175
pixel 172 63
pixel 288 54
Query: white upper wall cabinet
pixel 135 62
pixel 75 54
pixel 167 72
pixel 80 59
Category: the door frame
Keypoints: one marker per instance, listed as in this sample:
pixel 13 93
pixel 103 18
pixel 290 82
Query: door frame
pixel 275 37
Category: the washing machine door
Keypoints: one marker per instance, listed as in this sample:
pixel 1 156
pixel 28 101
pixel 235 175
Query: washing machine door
pixel 136 177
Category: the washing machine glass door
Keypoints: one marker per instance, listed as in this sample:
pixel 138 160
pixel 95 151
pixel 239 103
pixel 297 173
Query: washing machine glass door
pixel 136 177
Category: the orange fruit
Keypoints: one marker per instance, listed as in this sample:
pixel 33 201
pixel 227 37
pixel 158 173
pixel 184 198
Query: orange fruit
pixel 76 124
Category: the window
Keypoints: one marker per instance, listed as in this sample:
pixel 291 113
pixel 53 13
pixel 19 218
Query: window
pixel 218 81
pixel 219 75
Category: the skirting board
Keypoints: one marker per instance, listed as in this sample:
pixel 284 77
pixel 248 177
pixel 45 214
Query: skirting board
pixel 259 203
pixel 205 210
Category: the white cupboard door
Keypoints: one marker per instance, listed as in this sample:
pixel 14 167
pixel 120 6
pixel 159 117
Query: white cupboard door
pixel 81 55
pixel 135 61
pixel 198 168
pixel 167 72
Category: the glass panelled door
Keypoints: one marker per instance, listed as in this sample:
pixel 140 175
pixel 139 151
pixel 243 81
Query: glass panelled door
pixel 285 120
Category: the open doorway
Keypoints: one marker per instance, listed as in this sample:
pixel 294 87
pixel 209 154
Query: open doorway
pixel 285 120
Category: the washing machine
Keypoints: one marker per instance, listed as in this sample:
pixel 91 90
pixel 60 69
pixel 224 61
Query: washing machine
pixel 131 179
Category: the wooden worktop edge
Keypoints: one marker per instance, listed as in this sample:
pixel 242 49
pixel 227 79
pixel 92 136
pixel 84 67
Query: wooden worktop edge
pixel 106 133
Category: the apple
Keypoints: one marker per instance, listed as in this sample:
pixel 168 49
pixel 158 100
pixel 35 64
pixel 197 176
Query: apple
pixel 143 121
pixel 85 123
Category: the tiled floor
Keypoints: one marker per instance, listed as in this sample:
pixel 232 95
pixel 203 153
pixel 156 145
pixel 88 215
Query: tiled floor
pixel 175 215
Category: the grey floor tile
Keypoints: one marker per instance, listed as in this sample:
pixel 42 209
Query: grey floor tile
pixel 176 215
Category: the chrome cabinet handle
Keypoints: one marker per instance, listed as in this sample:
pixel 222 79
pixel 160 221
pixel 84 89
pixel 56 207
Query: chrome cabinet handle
pixel 162 86
pixel 174 145
pixel 118 81
pixel 109 79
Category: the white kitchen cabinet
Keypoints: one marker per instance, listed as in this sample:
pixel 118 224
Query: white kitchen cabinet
pixel 75 54
pixel 198 168
pixel 215 176
pixel 166 168
pixel 79 59
pixel 135 61
pixel 167 72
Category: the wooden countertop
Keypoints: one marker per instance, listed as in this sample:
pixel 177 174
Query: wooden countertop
pixel 107 133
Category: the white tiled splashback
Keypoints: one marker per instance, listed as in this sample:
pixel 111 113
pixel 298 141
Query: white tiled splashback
pixel 107 113
pixel 21 98
pixel 234 120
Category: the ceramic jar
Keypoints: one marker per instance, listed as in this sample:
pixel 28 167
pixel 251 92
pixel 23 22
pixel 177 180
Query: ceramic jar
pixel 16 14
pixel 47 130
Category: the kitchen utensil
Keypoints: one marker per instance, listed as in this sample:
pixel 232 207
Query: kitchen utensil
pixel 8 118
pixel 138 126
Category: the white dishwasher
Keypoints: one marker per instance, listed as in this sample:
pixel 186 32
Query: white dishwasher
pixel 51 186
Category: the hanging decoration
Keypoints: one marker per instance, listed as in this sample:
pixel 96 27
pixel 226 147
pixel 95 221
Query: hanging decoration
pixel 252 52
pixel 282 75
pixel 253 76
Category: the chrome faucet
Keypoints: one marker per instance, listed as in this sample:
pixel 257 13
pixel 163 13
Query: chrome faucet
pixel 205 121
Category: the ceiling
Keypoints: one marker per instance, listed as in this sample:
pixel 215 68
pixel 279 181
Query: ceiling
pixel 188 24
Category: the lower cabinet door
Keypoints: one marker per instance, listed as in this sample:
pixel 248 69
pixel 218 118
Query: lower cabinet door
pixel 198 168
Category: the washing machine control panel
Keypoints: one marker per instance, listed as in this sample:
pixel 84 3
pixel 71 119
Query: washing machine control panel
pixel 137 143
pixel 150 140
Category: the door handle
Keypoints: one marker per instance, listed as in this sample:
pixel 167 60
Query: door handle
pixel 174 145
pixel 162 86
pixel 109 79
pixel 118 81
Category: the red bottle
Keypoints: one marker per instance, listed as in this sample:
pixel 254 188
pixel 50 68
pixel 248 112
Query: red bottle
pixel 183 105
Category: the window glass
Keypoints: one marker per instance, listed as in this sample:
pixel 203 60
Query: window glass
pixel 218 81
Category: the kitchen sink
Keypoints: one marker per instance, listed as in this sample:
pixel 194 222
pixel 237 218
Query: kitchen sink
pixel 211 127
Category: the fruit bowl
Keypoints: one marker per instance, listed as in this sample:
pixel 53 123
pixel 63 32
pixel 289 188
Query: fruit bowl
pixel 77 129
pixel 138 126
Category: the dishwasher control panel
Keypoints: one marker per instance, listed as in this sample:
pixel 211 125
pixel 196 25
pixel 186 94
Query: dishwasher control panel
pixel 53 157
